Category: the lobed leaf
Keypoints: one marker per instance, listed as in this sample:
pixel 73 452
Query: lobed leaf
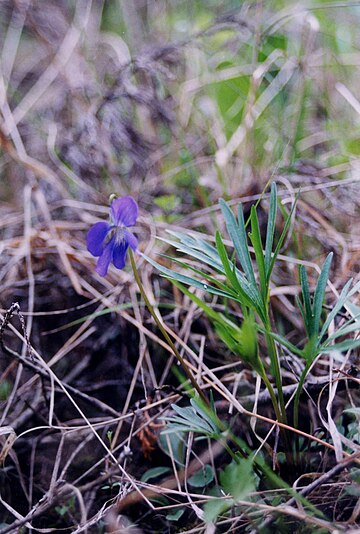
pixel 187 280
pixel 282 237
pixel 203 477
pixel 350 326
pixel 229 272
pixel 255 238
pixel 270 231
pixel 344 296
pixel 238 479
pixel 349 344
pixel 307 310
pixel 320 294
pixel 245 292
pixel 238 236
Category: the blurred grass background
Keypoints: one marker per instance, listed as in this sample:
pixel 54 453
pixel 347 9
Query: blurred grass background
pixel 218 96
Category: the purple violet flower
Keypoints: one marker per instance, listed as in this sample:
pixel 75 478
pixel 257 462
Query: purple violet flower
pixel 110 241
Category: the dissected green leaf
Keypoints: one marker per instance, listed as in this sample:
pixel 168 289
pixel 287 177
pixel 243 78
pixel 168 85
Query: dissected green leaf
pixel 255 238
pixel 215 507
pixel 320 293
pixel 177 444
pixel 344 296
pixel 307 306
pixel 238 479
pixel 154 473
pixel 208 280
pixel 191 414
pixel 175 514
pixel 203 477
pixel 203 411
pixel 238 236
pixel 193 252
pixel 241 340
pixel 282 237
pixel 195 243
pixel 191 419
pixel 187 280
pixel 349 344
pixel 283 341
pixel 350 326
pixel 270 231
pixel 302 311
pixel 238 281
pixel 353 308
pixel 200 303
pixel 230 273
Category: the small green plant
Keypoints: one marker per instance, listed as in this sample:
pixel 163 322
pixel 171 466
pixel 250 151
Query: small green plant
pixel 236 277
pixel 246 287
pixel 240 477
pixel 67 507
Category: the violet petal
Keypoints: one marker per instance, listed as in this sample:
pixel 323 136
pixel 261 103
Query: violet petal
pixel 131 239
pixel 104 260
pixel 95 238
pixel 124 211
pixel 119 254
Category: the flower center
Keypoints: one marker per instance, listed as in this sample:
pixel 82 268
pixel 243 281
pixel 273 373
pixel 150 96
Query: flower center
pixel 118 232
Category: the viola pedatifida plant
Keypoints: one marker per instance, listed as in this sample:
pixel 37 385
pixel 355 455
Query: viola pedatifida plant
pixel 246 281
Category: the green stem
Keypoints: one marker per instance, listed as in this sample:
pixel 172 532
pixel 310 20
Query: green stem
pixel 164 333
pixel 296 407
pixel 298 393
pixel 230 451
pixel 270 343
pixel 279 406
pixel 273 397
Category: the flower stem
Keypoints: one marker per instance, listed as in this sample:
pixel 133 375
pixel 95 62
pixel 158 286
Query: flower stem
pixel 280 408
pixel 270 343
pixel 164 333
